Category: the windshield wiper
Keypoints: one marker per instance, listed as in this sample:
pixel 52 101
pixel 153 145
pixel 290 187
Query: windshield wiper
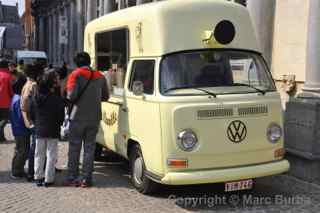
pixel 189 87
pixel 209 93
pixel 248 85
pixel 176 88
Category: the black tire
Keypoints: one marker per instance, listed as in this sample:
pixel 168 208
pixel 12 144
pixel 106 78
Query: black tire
pixel 138 178
pixel 98 152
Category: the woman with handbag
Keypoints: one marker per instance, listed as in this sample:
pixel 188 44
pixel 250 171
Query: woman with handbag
pixel 47 112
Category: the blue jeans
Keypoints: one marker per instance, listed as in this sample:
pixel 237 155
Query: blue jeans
pixel 32 149
pixel 82 132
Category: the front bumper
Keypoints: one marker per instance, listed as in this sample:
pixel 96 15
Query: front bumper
pixel 226 175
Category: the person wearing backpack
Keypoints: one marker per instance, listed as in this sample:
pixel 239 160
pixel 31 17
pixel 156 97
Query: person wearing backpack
pixel 85 91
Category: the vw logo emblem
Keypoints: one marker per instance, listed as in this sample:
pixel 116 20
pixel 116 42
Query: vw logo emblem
pixel 237 131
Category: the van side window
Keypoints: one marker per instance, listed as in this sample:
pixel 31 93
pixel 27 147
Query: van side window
pixel 112 57
pixel 143 70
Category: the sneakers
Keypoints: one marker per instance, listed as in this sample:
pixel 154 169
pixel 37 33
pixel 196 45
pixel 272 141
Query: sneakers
pixel 73 183
pixel 58 170
pixel 77 183
pixel 85 184
pixel 39 182
pixel 17 177
pixel 48 184
pixel 30 178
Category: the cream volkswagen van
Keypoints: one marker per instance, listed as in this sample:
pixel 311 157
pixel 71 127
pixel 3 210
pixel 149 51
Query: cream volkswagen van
pixel 192 101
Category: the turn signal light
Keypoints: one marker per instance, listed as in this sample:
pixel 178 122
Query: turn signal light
pixel 178 163
pixel 279 153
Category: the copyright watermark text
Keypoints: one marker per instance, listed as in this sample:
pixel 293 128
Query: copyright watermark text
pixel 240 200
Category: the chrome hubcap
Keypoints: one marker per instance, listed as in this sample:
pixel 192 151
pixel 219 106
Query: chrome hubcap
pixel 138 170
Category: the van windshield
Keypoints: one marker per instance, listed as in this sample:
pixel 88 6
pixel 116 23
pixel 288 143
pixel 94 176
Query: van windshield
pixel 214 71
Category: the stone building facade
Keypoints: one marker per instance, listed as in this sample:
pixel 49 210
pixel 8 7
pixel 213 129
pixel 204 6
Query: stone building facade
pixel 28 26
pixel 11 36
pixel 59 24
pixel 49 23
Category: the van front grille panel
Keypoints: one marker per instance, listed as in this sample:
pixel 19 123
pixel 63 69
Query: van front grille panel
pixel 253 110
pixel 215 113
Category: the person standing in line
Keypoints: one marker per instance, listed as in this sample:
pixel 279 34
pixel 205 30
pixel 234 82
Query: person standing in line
pixel 85 89
pixel 29 89
pixel 6 93
pixel 20 131
pixel 47 113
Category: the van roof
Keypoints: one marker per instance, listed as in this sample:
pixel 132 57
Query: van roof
pixel 31 54
pixel 175 25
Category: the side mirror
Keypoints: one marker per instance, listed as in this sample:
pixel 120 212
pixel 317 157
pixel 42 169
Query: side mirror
pixel 137 88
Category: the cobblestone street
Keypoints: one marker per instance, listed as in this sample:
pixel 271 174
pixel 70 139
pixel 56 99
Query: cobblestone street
pixel 113 193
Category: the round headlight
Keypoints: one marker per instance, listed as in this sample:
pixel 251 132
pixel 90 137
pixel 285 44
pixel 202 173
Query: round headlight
pixel 274 133
pixel 187 140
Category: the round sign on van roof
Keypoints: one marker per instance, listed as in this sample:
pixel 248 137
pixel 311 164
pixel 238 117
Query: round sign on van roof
pixel 224 32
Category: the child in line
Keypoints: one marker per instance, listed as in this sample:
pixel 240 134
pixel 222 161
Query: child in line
pixel 20 131
pixel 47 113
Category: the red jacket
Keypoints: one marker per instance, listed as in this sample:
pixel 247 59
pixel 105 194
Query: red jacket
pixel 6 92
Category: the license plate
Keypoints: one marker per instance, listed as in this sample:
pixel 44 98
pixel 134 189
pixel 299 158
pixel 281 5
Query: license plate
pixel 238 185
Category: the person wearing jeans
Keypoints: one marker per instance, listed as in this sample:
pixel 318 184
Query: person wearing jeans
pixel 28 92
pixel 19 130
pixel 85 89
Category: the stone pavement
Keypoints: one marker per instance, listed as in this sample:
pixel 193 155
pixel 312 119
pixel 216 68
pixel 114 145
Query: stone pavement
pixel 113 193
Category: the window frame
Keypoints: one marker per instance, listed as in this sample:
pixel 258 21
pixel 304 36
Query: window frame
pixel 129 87
pixel 109 31
pixel 264 63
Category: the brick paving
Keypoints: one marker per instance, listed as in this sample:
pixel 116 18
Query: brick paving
pixel 113 193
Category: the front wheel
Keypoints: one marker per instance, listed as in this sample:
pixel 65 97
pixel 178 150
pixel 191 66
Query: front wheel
pixel 137 169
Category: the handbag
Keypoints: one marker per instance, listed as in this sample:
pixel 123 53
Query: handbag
pixel 65 127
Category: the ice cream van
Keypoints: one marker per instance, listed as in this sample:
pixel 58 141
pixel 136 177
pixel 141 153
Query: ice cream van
pixel 192 99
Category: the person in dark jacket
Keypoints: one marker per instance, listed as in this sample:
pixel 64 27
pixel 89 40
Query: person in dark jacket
pixel 20 131
pixel 47 113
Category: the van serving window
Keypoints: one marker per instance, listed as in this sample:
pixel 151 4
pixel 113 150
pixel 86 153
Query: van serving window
pixel 112 57
pixel 143 70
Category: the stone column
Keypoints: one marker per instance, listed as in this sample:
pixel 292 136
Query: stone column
pixel 121 4
pixel 36 33
pixel 54 36
pixel 72 37
pixel 79 23
pixel 101 7
pixel 65 47
pixel 311 87
pixel 302 116
pixel 50 25
pixel 91 10
pixel 262 13
pixel 141 1
pixel 60 47
pixel 109 6
pixel 41 32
